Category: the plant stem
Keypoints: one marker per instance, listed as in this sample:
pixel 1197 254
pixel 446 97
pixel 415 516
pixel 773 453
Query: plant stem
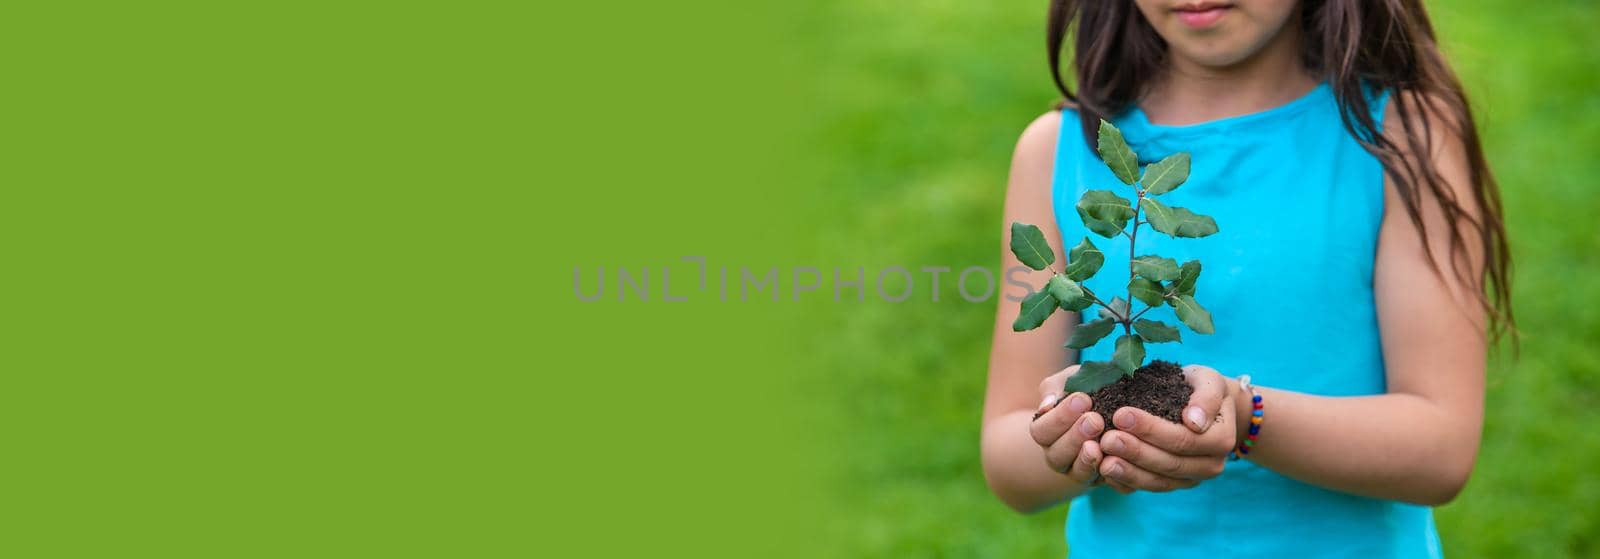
pixel 1140 313
pixel 1103 304
pixel 1164 296
pixel 1133 239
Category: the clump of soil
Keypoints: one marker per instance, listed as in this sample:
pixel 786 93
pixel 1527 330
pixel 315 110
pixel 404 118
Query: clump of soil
pixel 1158 388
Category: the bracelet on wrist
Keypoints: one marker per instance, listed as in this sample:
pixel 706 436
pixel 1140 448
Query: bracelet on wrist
pixel 1257 416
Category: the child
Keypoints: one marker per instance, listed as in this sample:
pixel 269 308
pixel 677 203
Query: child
pixel 1358 278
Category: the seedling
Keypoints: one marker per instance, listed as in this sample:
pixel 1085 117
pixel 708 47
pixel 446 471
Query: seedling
pixel 1153 280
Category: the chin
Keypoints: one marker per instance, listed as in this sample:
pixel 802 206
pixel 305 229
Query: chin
pixel 1215 58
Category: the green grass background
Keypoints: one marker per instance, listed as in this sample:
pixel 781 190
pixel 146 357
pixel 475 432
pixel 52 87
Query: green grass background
pixel 930 98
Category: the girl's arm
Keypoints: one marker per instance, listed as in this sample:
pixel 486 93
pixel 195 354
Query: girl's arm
pixel 1417 442
pixel 1017 461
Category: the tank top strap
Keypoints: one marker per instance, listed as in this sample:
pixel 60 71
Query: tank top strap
pixel 1377 103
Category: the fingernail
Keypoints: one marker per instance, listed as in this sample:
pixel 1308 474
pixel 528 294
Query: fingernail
pixel 1087 426
pixel 1125 419
pixel 1197 417
pixel 1114 445
pixel 1114 470
pixel 1078 403
pixel 1049 400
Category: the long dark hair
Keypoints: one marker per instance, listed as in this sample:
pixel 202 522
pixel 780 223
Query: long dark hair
pixel 1383 44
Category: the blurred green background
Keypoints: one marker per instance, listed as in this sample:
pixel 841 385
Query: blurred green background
pixel 930 97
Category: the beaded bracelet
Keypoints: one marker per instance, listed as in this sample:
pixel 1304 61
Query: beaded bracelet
pixel 1256 416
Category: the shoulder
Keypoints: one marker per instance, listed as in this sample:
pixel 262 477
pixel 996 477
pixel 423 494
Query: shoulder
pixel 1033 160
pixel 1432 133
pixel 1028 191
pixel 1434 191
pixel 1414 120
pixel 1039 143
pixel 1039 137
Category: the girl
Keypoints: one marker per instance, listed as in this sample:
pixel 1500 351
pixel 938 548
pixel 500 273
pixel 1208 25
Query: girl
pixel 1358 278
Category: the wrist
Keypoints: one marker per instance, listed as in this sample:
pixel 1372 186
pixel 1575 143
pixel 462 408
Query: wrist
pixel 1241 410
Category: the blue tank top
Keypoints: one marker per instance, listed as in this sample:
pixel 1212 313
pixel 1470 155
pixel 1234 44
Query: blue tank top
pixel 1288 281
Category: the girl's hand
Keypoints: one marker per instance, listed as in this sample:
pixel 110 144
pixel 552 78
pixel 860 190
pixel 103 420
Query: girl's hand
pixel 1067 430
pixel 1153 454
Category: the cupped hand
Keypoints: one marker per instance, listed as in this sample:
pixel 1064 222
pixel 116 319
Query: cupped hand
pixel 1066 430
pixel 1149 453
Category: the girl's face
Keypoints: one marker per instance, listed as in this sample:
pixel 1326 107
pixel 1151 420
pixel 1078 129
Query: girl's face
pixel 1217 33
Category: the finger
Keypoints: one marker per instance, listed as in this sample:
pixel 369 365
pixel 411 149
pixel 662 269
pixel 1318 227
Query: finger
pixel 1062 453
pixel 1054 384
pixel 1046 404
pixel 1124 472
pixel 1157 461
pixel 1051 390
pixel 1206 401
pixel 1117 486
pixel 1171 437
pixel 1048 428
pixel 1094 454
pixel 1086 468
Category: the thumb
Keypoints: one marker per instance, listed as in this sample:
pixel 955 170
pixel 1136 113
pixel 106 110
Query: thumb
pixel 1206 401
pixel 1051 389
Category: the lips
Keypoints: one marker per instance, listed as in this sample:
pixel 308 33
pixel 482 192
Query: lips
pixel 1200 15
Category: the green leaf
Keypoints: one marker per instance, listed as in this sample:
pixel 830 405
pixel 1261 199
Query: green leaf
pixel 1155 331
pixel 1092 376
pixel 1088 333
pixel 1035 308
pixel 1117 155
pixel 1158 268
pixel 1084 260
pixel 1105 205
pixel 1176 221
pixel 1027 242
pixel 1117 304
pixel 1067 292
pixel 1076 305
pixel 1129 354
pixel 1188 275
pixel 1102 228
pixel 1192 314
pixel 1165 175
pixel 1146 291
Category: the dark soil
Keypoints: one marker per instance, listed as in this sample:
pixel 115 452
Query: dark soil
pixel 1158 388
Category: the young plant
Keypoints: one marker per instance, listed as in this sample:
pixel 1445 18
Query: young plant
pixel 1152 280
